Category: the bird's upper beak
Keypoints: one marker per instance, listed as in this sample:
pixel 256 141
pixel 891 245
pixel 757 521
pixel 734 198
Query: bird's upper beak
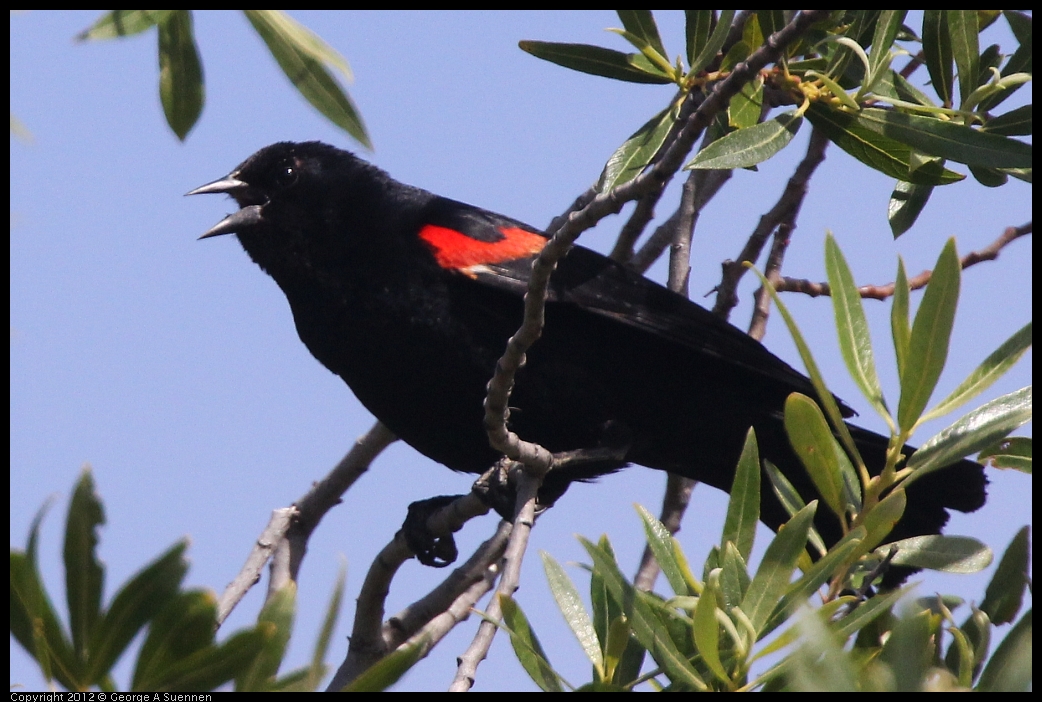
pixel 247 216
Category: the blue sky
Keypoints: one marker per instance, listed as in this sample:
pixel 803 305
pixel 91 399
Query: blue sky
pixel 172 366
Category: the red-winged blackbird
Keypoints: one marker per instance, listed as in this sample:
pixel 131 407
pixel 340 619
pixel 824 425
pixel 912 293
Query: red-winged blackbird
pixel 410 298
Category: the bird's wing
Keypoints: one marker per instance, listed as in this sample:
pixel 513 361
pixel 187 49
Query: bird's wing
pixel 496 251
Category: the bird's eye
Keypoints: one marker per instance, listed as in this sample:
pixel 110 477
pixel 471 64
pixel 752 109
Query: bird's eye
pixel 286 176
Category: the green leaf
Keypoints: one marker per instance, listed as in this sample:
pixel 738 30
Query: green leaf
pixel 661 543
pixel 180 73
pixel 772 577
pixel 907 651
pixel 743 509
pixel 875 150
pixel 989 177
pixel 697 24
pixel 276 618
pixel 812 441
pixel 882 39
pixel 951 554
pixel 880 520
pixel 1011 452
pixel 84 574
pixel 1009 670
pixel 571 606
pixel 1005 593
pixel 819 663
pixel 899 328
pixel 826 399
pixel 123 23
pixel 971 433
pixel 716 42
pixel 734 576
pixel 868 611
pixel 1013 123
pixel 641 23
pixel 646 625
pixel 770 21
pixel 855 342
pixel 630 159
pixel 136 603
pixel 906 203
pixel 303 57
pixel 706 632
pixel 955 142
pixel 931 333
pixel 35 624
pixel 527 648
pixel 185 626
pixel 746 107
pixel 389 669
pixel 962 28
pixel 212 666
pixel 803 589
pixel 595 60
pixel 937 50
pixel 991 369
pixel 791 501
pixel 750 146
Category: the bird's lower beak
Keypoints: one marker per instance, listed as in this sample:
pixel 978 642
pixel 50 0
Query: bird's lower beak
pixel 235 222
pixel 247 216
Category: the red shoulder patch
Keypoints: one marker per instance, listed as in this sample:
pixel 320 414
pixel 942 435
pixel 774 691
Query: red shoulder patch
pixel 456 250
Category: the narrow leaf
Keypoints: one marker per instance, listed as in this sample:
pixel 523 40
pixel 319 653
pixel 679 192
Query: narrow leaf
pixel 937 50
pixel 180 73
pixel 389 669
pixel 900 331
pixel 1013 123
pixel 1010 669
pixel 527 648
pixel 746 107
pixel 697 24
pixel 84 574
pixel 855 342
pixel 962 27
pixel 661 543
pixel 882 39
pixel 123 23
pixel 1005 593
pixel 955 142
pixel 971 433
pixel 743 509
pixel 812 441
pixel 571 606
pixel 772 577
pixel 594 60
pixel 951 554
pixel 630 159
pixel 991 369
pixel 748 147
pixel 931 333
pixel 137 602
pixel 875 150
pixel 642 24
pixel 906 203
pixel 706 633
pixel 1011 452
pixel 715 43
pixel 303 57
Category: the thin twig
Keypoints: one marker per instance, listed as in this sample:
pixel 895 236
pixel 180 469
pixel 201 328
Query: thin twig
pixel 882 292
pixel 285 538
pixel 784 210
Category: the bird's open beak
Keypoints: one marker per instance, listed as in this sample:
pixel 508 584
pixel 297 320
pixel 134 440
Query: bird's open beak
pixel 247 216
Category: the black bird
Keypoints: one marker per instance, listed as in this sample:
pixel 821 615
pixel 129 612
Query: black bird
pixel 410 298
